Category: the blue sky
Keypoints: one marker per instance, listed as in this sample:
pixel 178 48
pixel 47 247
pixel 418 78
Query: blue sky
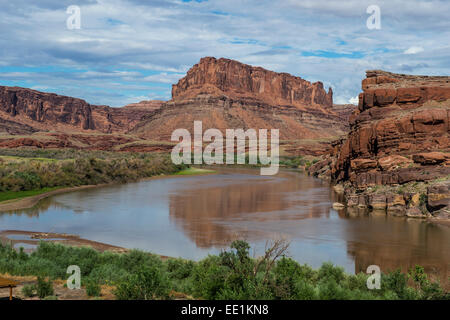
pixel 132 50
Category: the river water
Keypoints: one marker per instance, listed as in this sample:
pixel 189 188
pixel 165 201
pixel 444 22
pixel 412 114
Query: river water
pixel 191 216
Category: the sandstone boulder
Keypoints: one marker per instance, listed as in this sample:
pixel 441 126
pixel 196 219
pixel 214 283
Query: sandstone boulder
pixel 438 195
pixel 415 213
pixel 396 205
pixel 377 201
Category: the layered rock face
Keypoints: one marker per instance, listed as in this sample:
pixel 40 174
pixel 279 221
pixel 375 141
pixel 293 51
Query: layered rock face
pixel 223 113
pixel 399 134
pixel 401 116
pixel 243 82
pixel 344 111
pixel 11 128
pixel 42 111
pixel 224 94
pixel 145 106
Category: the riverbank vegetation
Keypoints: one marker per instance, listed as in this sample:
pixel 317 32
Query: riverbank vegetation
pixel 194 171
pixel 30 172
pixel 233 274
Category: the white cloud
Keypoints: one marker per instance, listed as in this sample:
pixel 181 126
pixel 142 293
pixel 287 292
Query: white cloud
pixel 164 78
pixel 413 50
pixel 110 63
pixel 353 100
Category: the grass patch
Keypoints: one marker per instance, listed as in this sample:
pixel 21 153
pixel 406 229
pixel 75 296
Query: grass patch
pixel 10 195
pixel 194 171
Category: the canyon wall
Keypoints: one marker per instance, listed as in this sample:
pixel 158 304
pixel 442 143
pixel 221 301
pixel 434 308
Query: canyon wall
pixel 221 93
pixel 240 81
pixel 224 93
pixel 399 135
pixel 43 111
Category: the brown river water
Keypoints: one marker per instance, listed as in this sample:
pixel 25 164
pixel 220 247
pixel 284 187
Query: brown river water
pixel 192 216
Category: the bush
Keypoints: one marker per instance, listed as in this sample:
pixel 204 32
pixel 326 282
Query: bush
pixel 108 274
pixel 149 282
pixel 209 278
pixel 93 289
pixel 44 288
pixel 304 291
pixel 179 268
pixel 329 271
pixel 29 290
pixel 28 174
pixel 288 273
pixel 233 274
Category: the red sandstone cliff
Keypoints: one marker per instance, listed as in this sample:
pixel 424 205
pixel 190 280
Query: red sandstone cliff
pixel 400 134
pixel 398 115
pixel 240 81
pixel 32 110
pixel 224 93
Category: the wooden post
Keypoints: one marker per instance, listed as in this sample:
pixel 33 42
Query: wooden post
pixel 10 293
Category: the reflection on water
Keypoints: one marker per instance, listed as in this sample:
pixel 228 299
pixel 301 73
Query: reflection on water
pixel 251 207
pixel 195 215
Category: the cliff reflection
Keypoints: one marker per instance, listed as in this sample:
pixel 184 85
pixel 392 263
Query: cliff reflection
pixel 384 246
pixel 214 215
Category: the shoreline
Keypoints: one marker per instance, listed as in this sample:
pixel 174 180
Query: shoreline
pixel 67 239
pixel 31 201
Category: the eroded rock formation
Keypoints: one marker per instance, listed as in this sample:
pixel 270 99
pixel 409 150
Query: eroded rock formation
pixel 398 135
pixel 243 82
pixel 224 93
pixel 41 111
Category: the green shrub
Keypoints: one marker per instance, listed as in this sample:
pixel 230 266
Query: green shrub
pixel 329 271
pixel 329 289
pixel 233 274
pixel 179 268
pixel 108 274
pixel 44 288
pixel 29 290
pixel 209 277
pixel 34 174
pixel 290 276
pixel 304 290
pixel 93 289
pixel 147 283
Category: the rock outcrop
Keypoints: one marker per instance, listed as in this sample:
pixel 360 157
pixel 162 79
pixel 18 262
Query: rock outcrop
pixel 344 112
pixel 397 115
pixel 400 134
pixel 41 111
pixel 145 105
pixel 224 93
pixel 9 127
pixel 243 82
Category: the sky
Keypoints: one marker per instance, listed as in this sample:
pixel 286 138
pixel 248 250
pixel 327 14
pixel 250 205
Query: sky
pixel 126 51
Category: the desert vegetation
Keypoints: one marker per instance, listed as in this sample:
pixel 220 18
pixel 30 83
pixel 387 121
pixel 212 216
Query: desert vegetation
pixel 29 172
pixel 233 274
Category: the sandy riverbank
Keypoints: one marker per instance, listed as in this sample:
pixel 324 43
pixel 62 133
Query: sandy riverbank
pixel 33 238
